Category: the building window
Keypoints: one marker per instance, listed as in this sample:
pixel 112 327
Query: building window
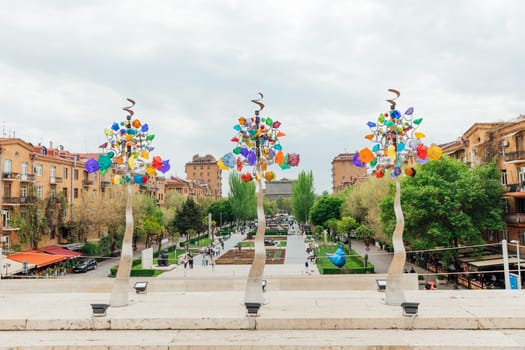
pixel 521 178
pixel 504 177
pixel 38 170
pixel 75 193
pixel 7 190
pixel 64 191
pixel 522 238
pixel 473 157
pixel 23 191
pixel 519 142
pixel 75 174
pixel 53 192
pixel 64 173
pixel 7 166
pixel 94 193
pixel 39 192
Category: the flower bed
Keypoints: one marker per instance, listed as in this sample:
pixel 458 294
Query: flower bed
pixel 245 256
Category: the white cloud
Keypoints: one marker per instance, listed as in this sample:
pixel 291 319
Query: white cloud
pixel 193 67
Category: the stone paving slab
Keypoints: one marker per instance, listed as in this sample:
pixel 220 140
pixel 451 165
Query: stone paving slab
pixel 267 340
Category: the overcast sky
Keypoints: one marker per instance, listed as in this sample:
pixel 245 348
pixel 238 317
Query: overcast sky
pixel 324 67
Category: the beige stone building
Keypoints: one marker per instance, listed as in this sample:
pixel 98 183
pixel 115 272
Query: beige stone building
pixel 186 188
pixel 57 178
pixel 205 171
pixel 344 172
pixel 505 141
pixel 278 189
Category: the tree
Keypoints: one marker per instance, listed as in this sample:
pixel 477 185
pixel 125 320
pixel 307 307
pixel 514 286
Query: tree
pixel 303 196
pixel 189 217
pixel 103 215
pixel 221 211
pixel 31 220
pixel 447 204
pixel 270 207
pixel 284 204
pixel 243 200
pixel 325 208
pixel 347 225
pixel 149 219
pixel 362 202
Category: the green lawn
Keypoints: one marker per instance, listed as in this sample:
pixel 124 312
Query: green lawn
pixel 354 262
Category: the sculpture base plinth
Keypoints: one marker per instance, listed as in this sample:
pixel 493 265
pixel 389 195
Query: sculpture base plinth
pixel 119 293
pixel 395 294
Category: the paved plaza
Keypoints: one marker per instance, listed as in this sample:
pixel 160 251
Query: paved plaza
pixel 203 308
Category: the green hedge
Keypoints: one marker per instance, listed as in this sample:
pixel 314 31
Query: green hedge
pixel 270 232
pixel 344 270
pixel 134 272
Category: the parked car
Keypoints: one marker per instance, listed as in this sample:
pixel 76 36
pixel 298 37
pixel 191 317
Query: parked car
pixel 85 265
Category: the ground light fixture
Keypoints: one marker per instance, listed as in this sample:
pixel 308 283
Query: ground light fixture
pixel 141 287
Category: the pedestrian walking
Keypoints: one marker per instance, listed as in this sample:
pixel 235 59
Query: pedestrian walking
pixel 306 266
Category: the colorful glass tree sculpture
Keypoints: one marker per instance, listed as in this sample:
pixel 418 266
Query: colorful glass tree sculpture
pixel 127 154
pixel 396 142
pixel 257 146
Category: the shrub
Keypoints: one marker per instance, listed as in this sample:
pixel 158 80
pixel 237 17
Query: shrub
pixel 90 249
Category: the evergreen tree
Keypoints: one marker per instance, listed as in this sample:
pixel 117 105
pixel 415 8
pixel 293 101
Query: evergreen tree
pixel 303 196
pixel 242 197
pixel 189 217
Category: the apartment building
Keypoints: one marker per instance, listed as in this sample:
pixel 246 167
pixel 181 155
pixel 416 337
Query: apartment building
pixel 505 141
pixel 37 172
pixel 56 176
pixel 205 171
pixel 186 188
pixel 344 172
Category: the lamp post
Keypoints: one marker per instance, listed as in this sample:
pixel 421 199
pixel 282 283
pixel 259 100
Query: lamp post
pixel 519 260
pixel 257 147
pixel 127 152
pixel 396 141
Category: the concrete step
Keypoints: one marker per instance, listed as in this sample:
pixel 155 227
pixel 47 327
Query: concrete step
pixel 267 340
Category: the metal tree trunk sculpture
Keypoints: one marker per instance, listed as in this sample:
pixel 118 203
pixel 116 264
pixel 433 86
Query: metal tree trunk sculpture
pixel 397 142
pixel 257 146
pixel 127 154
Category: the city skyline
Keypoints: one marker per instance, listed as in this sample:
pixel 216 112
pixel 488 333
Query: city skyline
pixel 192 68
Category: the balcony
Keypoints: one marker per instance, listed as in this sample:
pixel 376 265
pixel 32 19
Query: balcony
pixel 8 228
pixel 55 180
pixel 14 200
pixel 516 218
pixel 87 183
pixel 105 184
pixel 27 177
pixel 11 176
pixel 518 156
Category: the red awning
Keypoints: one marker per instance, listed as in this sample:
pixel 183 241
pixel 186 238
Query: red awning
pixel 37 258
pixel 58 250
